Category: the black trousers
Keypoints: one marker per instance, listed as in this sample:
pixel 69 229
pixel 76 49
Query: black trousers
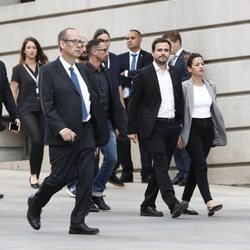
pixel 124 151
pixel 161 144
pixel 146 159
pixel 33 124
pixel 78 158
pixel 199 144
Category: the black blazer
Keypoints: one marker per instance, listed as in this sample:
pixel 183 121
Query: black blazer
pixel 145 101
pixel 6 97
pixel 180 65
pixel 61 104
pixel 144 60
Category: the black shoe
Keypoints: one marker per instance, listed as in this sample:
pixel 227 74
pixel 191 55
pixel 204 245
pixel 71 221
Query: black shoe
pixel 35 185
pixel 93 208
pixel 100 203
pixel 190 211
pixel 115 181
pixel 150 211
pixel 82 228
pixel 175 181
pixel 178 208
pixel 34 215
pixel 126 178
pixel 1 196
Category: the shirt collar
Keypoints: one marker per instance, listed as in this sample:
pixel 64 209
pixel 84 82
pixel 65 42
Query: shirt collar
pixel 157 68
pixel 132 53
pixel 65 64
pixel 178 52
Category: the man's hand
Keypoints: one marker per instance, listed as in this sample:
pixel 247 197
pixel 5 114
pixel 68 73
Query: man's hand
pixel 133 137
pixel 68 135
pixel 179 143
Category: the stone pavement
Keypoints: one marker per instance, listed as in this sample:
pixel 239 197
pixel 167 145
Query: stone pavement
pixel 122 227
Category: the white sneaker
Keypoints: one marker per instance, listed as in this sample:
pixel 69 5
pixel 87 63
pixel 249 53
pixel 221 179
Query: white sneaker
pixel 71 191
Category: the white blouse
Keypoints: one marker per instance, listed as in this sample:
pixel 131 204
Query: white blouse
pixel 202 102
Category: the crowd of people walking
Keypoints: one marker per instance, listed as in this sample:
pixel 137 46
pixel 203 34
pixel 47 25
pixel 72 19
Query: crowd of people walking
pixel 90 101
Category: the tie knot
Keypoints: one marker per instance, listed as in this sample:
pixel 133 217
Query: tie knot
pixel 71 69
pixel 133 55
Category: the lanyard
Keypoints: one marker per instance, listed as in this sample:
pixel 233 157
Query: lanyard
pixel 33 77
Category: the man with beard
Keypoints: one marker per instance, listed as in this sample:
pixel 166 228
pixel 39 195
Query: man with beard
pixel 156 114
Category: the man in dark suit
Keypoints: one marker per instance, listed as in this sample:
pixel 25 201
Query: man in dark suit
pixel 72 119
pixel 130 63
pixel 178 60
pixel 6 98
pixel 156 114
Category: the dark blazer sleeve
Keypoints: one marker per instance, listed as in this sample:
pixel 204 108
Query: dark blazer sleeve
pixel 181 65
pixel 6 96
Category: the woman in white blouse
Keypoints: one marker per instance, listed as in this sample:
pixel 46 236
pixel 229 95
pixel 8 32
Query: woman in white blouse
pixel 203 128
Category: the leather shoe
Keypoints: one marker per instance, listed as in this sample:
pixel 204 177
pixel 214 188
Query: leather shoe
pixel 100 203
pixel 34 215
pixel 212 209
pixel 115 181
pixel 178 208
pixel 126 178
pixel 175 181
pixel 190 211
pixel 150 211
pixel 93 208
pixel 82 228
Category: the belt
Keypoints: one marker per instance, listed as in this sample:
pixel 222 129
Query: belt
pixel 166 120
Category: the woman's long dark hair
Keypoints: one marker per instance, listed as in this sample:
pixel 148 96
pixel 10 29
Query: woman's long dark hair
pixel 40 57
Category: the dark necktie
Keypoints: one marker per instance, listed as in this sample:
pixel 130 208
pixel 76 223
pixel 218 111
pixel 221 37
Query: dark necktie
pixel 133 63
pixel 77 85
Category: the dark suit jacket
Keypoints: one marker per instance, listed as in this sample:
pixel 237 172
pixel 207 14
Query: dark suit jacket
pixel 180 65
pixel 115 109
pixel 144 60
pixel 61 104
pixel 145 101
pixel 6 97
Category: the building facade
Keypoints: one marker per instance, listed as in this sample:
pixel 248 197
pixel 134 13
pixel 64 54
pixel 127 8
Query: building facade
pixel 219 30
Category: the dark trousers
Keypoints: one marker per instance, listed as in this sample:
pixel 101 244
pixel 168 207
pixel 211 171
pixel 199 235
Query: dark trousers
pixel 146 159
pixel 199 144
pixel 65 161
pixel 161 144
pixel 124 152
pixel 33 124
pixel 182 162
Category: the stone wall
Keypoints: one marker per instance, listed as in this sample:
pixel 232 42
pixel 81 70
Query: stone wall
pixel 219 30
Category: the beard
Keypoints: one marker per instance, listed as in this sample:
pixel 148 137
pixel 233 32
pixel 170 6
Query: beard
pixel 162 61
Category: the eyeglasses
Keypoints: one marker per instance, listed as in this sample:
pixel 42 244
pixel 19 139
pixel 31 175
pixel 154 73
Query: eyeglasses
pixel 75 42
pixel 104 50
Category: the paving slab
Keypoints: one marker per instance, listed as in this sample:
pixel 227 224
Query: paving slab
pixel 122 227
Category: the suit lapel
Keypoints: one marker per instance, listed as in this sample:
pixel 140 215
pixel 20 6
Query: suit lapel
pixel 154 79
pixel 140 60
pixel 62 72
